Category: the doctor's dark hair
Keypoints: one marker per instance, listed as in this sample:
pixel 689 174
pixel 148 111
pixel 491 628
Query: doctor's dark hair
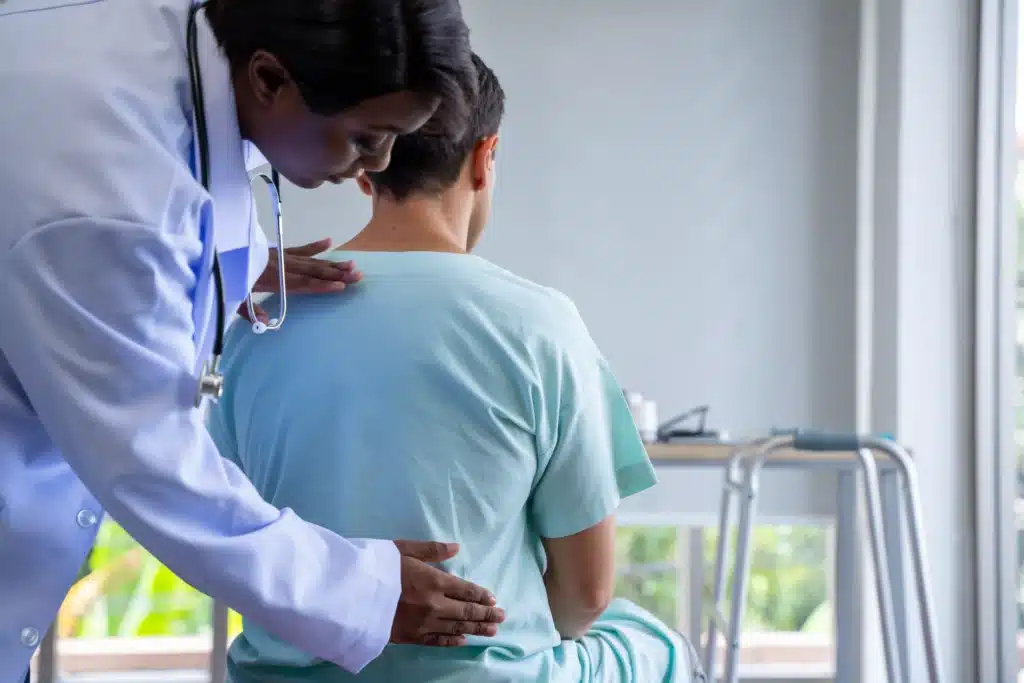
pixel 428 162
pixel 342 52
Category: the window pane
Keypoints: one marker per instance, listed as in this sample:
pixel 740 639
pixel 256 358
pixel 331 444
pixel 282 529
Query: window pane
pixel 788 623
pixel 648 571
pixel 788 588
pixel 127 610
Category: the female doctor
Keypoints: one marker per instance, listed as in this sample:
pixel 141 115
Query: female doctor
pixel 109 227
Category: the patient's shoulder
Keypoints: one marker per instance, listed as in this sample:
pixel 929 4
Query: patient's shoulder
pixel 543 312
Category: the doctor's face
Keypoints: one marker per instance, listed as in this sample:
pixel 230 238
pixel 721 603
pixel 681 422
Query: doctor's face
pixel 309 149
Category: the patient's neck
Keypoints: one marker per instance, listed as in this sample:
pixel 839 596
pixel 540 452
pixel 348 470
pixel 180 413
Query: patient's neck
pixel 416 224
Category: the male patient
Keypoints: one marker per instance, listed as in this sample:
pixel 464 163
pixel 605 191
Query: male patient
pixel 445 398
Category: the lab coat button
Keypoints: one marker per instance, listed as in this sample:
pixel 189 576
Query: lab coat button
pixel 86 518
pixel 29 637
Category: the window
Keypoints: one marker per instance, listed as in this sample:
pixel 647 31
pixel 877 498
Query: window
pixel 128 611
pixel 788 623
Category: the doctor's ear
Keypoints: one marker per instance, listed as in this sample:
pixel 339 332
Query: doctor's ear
pixel 267 77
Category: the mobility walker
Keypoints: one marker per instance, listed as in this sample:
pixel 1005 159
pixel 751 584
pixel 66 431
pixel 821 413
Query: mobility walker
pixel 743 478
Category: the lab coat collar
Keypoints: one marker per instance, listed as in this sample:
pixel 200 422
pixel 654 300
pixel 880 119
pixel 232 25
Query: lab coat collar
pixel 229 179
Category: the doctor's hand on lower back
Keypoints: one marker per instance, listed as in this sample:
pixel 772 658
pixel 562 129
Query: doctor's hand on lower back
pixel 304 274
pixel 436 608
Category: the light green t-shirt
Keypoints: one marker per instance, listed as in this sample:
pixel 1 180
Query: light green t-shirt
pixel 442 398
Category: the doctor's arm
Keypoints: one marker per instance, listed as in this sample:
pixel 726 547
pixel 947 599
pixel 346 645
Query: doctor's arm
pixel 98 330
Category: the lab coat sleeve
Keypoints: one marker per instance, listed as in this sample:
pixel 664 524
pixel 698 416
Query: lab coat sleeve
pixel 98 329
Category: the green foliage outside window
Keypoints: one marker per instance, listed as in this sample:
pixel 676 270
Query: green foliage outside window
pixel 788 588
pixel 141 597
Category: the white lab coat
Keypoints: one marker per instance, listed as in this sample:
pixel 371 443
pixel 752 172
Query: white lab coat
pixel 106 244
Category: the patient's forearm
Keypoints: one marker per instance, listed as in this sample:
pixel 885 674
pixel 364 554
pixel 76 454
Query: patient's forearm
pixel 573 615
pixel 580 577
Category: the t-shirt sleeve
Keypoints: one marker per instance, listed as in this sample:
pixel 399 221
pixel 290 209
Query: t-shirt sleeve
pixel 590 453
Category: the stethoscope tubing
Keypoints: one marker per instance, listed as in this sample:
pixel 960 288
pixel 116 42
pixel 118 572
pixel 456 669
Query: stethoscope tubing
pixel 211 381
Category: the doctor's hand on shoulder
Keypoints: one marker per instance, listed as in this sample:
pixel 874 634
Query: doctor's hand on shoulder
pixel 304 274
pixel 435 607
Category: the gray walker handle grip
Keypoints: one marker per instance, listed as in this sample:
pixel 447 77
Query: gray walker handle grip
pixel 814 440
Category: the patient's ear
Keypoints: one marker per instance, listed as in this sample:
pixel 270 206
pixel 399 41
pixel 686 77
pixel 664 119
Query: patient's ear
pixel 364 184
pixel 483 162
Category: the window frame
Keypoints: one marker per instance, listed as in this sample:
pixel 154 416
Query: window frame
pixel 996 267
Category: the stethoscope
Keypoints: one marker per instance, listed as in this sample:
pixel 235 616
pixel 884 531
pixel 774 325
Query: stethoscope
pixel 211 381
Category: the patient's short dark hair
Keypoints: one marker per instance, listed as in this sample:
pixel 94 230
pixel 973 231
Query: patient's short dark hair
pixel 429 162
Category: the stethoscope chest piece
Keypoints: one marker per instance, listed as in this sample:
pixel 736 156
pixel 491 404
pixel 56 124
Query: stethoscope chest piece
pixel 211 383
pixel 259 327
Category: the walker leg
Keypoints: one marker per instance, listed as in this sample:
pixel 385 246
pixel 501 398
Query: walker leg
pixel 880 561
pixel 895 540
pixel 715 619
pixel 748 507
pixel 917 551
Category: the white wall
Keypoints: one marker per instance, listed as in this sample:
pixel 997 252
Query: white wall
pixel 686 172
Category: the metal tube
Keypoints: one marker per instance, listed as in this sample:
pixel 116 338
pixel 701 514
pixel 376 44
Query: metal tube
pixel 748 508
pixel 883 586
pixel 895 546
pixel 908 473
pixel 721 555
pixel 742 575
pixel 273 183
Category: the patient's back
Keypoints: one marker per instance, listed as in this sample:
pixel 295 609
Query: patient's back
pixel 415 406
